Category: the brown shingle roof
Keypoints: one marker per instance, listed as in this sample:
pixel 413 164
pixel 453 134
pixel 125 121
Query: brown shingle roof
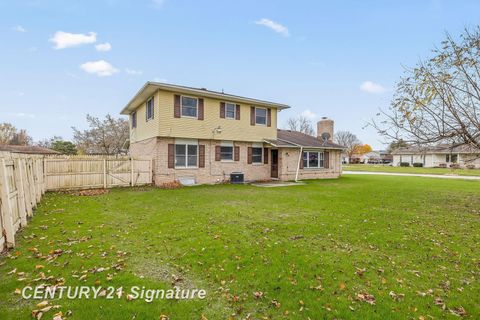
pixel 289 138
pixel 27 149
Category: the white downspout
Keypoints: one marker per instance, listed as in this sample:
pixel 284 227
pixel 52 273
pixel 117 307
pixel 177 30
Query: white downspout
pixel 298 164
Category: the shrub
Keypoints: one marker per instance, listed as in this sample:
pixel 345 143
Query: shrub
pixel 442 165
pixel 470 166
pixel 455 166
pixel 404 164
pixel 418 164
pixel 175 184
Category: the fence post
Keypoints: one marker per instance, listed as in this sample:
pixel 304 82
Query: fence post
pixel 17 173
pixel 6 207
pixel 131 172
pixel 105 173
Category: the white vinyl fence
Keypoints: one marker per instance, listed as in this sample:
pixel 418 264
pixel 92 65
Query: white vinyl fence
pixel 25 178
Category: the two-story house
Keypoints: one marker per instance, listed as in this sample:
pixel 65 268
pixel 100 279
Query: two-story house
pixel 201 136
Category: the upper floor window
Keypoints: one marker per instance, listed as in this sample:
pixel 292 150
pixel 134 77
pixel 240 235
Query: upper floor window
pixel 189 107
pixel 150 108
pixel 134 119
pixel 261 116
pixel 313 159
pixel 230 110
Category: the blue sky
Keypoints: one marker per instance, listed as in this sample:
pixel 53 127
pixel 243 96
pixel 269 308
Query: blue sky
pixel 339 59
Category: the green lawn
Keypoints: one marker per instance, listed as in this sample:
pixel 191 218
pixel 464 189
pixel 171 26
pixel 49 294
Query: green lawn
pixel 316 251
pixel 384 168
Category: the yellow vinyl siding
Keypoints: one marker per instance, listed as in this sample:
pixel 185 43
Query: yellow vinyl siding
pixel 145 129
pixel 235 130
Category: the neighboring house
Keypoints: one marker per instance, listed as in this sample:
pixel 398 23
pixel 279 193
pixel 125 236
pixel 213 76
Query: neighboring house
pixel 202 136
pixel 27 149
pixel 438 156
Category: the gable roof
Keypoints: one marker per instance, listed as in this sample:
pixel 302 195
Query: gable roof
pixel 289 138
pixel 27 149
pixel 150 88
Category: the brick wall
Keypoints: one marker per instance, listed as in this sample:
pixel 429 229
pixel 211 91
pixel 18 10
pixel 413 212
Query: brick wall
pixel 219 171
pixel 288 162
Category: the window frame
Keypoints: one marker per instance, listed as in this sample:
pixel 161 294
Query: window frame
pixel 134 119
pixel 320 159
pixel 266 116
pixel 234 110
pixel 222 153
pixel 147 105
pixel 261 155
pixel 181 107
pixel 186 156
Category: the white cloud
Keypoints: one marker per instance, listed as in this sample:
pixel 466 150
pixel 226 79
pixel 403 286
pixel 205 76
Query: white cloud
pixel 133 72
pixel 19 28
pixel 103 47
pixel 158 3
pixel 64 40
pixel 309 114
pixel 101 68
pixel 277 27
pixel 22 115
pixel 372 87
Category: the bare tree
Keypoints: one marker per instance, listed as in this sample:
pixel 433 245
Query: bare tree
pixel 47 143
pixel 11 135
pixel 107 136
pixel 349 141
pixel 301 124
pixel 438 101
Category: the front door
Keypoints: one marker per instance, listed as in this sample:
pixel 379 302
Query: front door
pixel 274 168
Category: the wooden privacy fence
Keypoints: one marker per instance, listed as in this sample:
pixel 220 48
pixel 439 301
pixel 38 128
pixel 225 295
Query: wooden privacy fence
pixel 81 172
pixel 25 178
pixel 22 185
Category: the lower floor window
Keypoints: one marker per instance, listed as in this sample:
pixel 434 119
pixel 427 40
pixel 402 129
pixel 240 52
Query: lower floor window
pixel 185 155
pixel 452 158
pixel 226 153
pixel 313 159
pixel 257 155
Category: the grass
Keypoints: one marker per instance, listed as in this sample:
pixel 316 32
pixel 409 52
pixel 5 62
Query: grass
pixel 384 168
pixel 312 250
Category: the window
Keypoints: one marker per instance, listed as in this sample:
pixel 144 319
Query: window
pixel 261 116
pixel 149 108
pixel 226 153
pixel 257 154
pixel 230 110
pixel 134 119
pixel 452 158
pixel 189 107
pixel 313 159
pixel 185 155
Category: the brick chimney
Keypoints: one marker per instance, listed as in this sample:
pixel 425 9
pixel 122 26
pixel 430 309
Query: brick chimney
pixel 325 125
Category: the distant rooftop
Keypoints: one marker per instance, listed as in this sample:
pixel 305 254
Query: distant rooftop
pixel 27 149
